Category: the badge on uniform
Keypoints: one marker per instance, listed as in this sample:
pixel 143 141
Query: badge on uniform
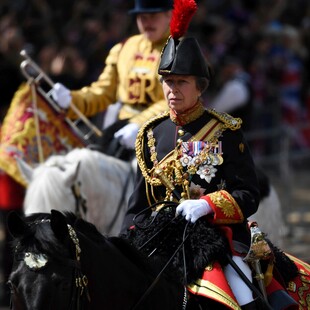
pixel 201 157
pixel 241 147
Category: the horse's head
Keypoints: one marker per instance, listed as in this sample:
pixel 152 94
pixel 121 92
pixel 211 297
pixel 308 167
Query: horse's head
pixel 52 183
pixel 46 263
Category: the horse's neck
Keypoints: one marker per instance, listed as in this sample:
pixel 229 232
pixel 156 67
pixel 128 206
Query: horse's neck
pixel 47 192
pixel 114 253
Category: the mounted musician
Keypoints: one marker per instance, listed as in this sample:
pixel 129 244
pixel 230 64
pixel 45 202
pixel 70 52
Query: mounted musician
pixel 129 78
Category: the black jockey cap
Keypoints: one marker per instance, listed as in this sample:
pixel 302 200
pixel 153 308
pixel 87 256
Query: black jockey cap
pixel 151 6
pixel 184 57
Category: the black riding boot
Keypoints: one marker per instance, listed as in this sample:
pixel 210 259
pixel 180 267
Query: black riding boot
pixel 256 304
pixel 250 306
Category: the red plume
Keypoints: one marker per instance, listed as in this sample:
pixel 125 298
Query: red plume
pixel 183 11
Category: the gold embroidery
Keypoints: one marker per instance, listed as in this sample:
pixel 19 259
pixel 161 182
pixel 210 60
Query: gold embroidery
pixel 291 286
pixel 208 289
pixel 303 272
pixel 191 115
pixel 304 279
pixel 228 120
pixel 228 205
pixel 209 267
pixel 181 132
pixel 301 290
pixel 221 202
pixel 241 147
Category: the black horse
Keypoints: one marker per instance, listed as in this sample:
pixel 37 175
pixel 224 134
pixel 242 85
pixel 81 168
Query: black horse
pixel 62 262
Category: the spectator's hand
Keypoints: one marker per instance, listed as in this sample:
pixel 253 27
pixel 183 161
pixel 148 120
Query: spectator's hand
pixel 127 135
pixel 193 209
pixel 61 95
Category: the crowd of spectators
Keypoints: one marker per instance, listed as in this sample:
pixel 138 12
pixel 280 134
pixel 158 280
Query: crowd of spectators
pixel 70 40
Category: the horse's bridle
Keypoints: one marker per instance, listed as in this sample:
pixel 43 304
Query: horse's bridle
pixel 80 201
pixel 79 281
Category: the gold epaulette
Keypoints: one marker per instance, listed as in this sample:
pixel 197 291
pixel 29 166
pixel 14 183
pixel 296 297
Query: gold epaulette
pixel 229 121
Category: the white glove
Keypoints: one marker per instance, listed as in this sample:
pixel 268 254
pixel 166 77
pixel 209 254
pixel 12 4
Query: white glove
pixel 193 209
pixel 127 135
pixel 61 95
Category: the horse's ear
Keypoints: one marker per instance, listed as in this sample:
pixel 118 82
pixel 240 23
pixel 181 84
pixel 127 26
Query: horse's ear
pixel 72 174
pixel 25 169
pixel 16 225
pixel 59 225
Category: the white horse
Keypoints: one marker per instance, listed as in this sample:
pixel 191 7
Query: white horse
pixel 269 215
pixel 84 180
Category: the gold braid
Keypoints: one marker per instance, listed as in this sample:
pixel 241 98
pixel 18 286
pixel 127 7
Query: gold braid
pixel 139 146
pixel 228 120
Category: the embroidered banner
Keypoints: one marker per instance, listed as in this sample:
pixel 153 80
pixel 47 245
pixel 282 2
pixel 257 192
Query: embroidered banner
pixel 18 132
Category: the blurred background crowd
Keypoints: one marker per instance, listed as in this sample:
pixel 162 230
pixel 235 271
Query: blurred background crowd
pixel 70 40
pixel 270 40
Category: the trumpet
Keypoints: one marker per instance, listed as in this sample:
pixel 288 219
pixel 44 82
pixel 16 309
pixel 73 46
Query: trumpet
pixel 34 74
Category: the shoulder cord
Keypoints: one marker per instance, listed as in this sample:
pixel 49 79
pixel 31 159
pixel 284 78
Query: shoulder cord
pixel 140 148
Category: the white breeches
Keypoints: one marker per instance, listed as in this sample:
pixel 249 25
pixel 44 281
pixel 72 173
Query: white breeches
pixel 241 291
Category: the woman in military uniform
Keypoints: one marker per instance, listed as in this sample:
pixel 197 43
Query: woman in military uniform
pixel 203 156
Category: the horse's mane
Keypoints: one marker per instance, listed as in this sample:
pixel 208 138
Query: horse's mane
pixel 39 237
pixel 93 163
pixel 47 191
pixel 121 244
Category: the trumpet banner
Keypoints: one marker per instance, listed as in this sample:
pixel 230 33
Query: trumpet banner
pixel 19 134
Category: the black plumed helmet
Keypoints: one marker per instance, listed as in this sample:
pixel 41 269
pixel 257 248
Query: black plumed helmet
pixel 183 57
pixel 151 6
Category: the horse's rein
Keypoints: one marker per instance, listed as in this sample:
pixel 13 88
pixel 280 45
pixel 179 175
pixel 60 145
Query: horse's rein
pixel 81 281
pixel 80 201
pixel 181 245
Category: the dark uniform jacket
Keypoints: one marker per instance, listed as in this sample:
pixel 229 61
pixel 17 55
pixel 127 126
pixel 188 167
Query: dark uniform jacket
pixel 228 182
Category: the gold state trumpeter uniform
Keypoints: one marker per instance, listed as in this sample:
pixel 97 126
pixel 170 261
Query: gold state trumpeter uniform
pixel 212 162
pixel 130 76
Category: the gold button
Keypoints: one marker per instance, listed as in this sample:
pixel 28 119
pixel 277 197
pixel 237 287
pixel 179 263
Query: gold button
pixel 181 132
